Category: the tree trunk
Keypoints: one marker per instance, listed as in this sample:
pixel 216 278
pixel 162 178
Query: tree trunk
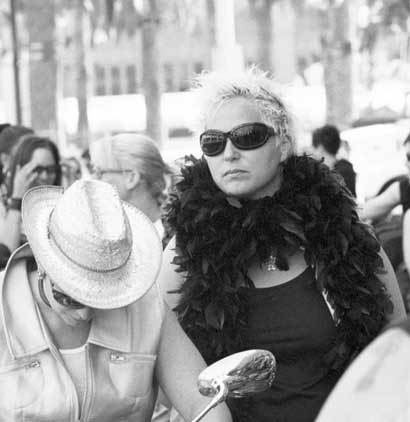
pixel 338 65
pixel 210 19
pixel 16 61
pixel 261 12
pixel 43 65
pixel 81 75
pixel 151 70
pixel 284 41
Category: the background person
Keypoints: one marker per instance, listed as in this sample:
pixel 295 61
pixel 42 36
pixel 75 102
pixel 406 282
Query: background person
pixel 86 162
pixel 392 229
pixel 9 138
pixel 396 193
pixel 133 164
pixel 262 238
pixel 326 143
pixel 70 171
pixel 35 162
pixel 86 334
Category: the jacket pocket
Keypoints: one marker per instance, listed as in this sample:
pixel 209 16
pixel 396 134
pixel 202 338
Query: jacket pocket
pixel 21 384
pixel 131 373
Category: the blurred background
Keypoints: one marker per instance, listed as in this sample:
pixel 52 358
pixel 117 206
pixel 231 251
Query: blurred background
pixel 76 70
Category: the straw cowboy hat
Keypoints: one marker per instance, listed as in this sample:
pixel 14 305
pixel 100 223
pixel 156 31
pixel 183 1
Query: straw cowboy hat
pixel 99 250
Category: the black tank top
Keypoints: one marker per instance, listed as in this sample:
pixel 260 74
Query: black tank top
pixel 293 321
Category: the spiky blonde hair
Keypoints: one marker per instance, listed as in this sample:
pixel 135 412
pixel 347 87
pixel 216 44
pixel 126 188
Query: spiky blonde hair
pixel 212 89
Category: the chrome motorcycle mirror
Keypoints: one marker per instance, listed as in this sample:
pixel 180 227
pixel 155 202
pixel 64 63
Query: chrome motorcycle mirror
pixel 238 375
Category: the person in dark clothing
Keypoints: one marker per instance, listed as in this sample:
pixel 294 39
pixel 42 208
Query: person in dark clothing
pixel 326 141
pixel 345 169
pixel 269 252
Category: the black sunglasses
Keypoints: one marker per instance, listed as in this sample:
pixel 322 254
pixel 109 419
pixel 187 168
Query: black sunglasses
pixel 58 296
pixel 50 170
pixel 64 299
pixel 245 136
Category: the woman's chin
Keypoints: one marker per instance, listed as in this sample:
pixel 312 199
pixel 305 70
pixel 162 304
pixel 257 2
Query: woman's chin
pixel 237 190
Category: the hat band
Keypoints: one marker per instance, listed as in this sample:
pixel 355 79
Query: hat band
pixel 79 264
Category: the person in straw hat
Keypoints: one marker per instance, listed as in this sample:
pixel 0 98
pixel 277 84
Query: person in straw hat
pixel 84 333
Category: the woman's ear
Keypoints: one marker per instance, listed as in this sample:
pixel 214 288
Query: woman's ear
pixel 132 179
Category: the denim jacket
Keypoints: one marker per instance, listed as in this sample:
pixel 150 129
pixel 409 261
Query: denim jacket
pixel 121 352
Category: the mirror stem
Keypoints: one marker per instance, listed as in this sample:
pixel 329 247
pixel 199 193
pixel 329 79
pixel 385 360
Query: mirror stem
pixel 222 389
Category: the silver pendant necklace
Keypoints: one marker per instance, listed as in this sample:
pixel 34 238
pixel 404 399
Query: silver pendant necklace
pixel 270 262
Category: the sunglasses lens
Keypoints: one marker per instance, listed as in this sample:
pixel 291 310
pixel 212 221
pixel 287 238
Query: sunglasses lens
pixel 51 170
pixel 250 136
pixel 246 136
pixel 212 143
pixel 65 300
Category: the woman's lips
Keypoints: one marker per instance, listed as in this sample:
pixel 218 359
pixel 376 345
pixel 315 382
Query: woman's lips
pixel 234 172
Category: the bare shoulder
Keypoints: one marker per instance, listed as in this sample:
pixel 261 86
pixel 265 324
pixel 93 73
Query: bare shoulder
pixel 391 196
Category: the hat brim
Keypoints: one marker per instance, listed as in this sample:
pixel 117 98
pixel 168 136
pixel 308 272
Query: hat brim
pixel 101 290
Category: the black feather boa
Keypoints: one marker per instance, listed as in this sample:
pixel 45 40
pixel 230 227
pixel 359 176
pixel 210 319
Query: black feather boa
pixel 218 238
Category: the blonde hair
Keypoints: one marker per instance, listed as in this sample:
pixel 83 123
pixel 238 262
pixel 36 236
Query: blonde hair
pixel 136 152
pixel 212 89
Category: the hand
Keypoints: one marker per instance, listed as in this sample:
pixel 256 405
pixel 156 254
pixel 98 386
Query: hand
pixel 23 179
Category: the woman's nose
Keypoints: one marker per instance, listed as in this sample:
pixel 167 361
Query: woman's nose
pixel 44 177
pixel 230 151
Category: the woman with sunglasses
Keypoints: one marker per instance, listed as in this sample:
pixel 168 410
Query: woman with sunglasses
pixel 35 161
pixel 84 332
pixel 269 252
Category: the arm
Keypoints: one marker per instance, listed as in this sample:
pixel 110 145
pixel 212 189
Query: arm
pixel 168 278
pixel 178 366
pixel 390 281
pixel 382 204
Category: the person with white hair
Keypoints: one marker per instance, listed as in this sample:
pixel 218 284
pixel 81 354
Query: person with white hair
pixel 84 332
pixel 132 163
pixel 270 253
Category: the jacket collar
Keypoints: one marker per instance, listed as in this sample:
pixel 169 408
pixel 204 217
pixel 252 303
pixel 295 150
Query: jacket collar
pixel 24 327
